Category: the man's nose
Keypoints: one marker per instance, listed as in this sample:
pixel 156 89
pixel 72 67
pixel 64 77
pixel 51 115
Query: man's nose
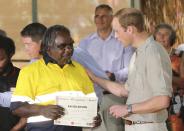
pixel 116 35
pixel 67 50
pixel 162 35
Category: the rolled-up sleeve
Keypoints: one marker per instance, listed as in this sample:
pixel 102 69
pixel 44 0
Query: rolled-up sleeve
pixel 159 76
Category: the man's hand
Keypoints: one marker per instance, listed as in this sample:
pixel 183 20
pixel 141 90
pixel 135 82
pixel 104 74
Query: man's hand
pixel 52 111
pixel 97 121
pixel 110 75
pixel 118 111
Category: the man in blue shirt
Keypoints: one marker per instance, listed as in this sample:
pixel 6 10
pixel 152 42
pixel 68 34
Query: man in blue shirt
pixel 111 57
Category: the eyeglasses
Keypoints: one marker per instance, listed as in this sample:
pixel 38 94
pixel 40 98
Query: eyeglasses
pixel 64 46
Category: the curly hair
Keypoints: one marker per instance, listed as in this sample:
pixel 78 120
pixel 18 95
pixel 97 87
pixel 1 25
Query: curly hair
pixel 8 45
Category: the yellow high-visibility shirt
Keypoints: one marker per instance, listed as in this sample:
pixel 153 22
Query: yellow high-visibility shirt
pixel 40 83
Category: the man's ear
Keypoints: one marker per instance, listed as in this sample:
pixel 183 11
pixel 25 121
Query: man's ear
pixel 130 29
pixel 40 41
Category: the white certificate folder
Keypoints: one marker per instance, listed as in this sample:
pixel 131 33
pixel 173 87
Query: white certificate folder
pixel 79 111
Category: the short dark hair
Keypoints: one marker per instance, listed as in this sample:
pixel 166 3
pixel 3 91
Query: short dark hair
pixel 50 36
pixel 104 6
pixel 34 30
pixel 8 45
pixel 3 33
pixel 172 37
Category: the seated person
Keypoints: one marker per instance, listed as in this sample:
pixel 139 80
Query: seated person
pixel 31 37
pixel 8 78
pixel 55 74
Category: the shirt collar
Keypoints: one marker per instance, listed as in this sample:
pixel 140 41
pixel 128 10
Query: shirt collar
pixel 95 35
pixel 146 43
pixel 33 60
pixel 47 59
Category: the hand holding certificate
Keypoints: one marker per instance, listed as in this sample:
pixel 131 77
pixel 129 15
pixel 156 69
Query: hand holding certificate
pixel 79 111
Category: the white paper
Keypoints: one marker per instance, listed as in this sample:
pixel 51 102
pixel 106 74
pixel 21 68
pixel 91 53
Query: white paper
pixel 79 111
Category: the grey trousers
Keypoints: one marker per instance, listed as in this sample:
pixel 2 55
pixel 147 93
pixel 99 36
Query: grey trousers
pixel 109 123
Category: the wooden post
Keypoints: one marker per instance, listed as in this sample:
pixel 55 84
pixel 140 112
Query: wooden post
pixel 34 11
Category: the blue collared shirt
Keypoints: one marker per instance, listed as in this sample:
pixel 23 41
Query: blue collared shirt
pixel 109 54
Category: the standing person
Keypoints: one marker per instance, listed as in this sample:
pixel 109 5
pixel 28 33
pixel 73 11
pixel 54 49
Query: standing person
pixel 112 58
pixel 31 36
pixel 55 74
pixel 149 85
pixel 8 79
pixel 166 36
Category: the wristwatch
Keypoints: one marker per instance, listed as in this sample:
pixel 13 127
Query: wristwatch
pixel 129 109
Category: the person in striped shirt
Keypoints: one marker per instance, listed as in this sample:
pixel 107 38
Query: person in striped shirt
pixel 55 74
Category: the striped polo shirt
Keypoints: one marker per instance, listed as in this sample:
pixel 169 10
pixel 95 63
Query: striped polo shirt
pixel 40 83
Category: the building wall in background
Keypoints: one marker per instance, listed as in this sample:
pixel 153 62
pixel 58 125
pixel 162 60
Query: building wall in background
pixel 77 15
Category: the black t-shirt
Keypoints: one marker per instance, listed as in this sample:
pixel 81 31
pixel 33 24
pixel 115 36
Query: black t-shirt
pixel 9 80
pixel 7 119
